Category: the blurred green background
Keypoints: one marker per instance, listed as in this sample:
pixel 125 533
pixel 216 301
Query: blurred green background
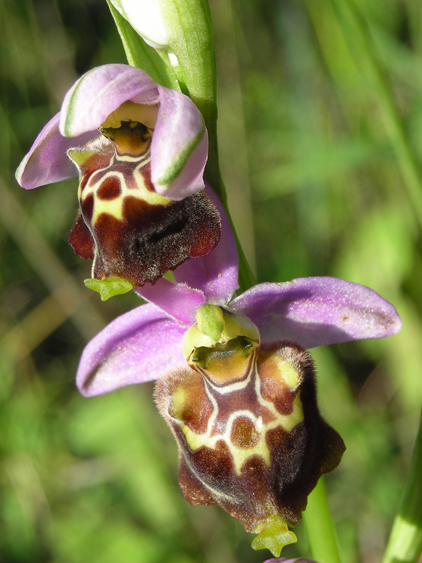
pixel 321 147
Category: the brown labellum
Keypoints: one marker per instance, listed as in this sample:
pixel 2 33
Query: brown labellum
pixel 129 230
pixel 256 445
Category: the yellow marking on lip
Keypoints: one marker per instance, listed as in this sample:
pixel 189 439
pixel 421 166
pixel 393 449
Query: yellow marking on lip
pixel 241 455
pixel 178 404
pixel 114 206
pixel 288 374
pixel 260 448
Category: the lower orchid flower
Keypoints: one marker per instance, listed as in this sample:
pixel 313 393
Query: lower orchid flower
pixel 235 382
pixel 140 150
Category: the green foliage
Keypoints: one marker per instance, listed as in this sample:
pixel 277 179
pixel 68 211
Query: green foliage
pixel 320 147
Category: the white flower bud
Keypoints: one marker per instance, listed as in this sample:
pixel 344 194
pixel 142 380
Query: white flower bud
pixel 145 17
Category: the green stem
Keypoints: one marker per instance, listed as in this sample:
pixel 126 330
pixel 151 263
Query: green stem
pixel 356 31
pixel 246 277
pixel 189 28
pixel 320 526
pixel 405 542
pixel 192 70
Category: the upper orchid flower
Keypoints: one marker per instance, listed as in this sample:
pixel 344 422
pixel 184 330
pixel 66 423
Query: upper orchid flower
pixel 236 384
pixel 140 150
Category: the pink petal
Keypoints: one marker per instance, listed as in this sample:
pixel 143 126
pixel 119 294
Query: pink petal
pixel 101 91
pixel 216 274
pixel 139 346
pixel 179 301
pixel 179 148
pixel 47 162
pixel 317 311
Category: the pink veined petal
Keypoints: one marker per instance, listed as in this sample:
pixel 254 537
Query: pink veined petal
pixel 216 274
pixel 317 311
pixel 179 301
pixel 139 346
pixel 101 91
pixel 179 148
pixel 47 162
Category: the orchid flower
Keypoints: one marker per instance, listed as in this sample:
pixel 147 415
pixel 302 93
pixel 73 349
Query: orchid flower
pixel 140 150
pixel 235 382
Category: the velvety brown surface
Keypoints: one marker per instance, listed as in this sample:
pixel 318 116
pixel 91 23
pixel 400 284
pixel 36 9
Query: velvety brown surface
pixel 221 463
pixel 137 240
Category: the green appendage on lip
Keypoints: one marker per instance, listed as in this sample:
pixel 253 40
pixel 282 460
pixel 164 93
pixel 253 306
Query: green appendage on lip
pixel 274 536
pixel 109 287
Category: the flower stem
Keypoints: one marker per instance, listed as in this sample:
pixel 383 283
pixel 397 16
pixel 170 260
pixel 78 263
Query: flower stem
pixel 189 66
pixel 190 33
pixel 405 542
pixel 246 277
pixel 189 28
pixel 320 526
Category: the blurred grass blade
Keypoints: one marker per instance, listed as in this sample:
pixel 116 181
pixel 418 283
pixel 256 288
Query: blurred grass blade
pixel 356 32
pixel 405 542
pixel 48 266
pixel 320 526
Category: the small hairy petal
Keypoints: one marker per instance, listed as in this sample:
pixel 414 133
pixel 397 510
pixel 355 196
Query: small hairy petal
pixel 216 274
pixel 139 346
pixel 101 91
pixel 46 162
pixel 317 311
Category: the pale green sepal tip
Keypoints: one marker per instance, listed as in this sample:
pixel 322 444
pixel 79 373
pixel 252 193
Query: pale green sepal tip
pixel 180 160
pixel 210 321
pixel 109 287
pixel 274 537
